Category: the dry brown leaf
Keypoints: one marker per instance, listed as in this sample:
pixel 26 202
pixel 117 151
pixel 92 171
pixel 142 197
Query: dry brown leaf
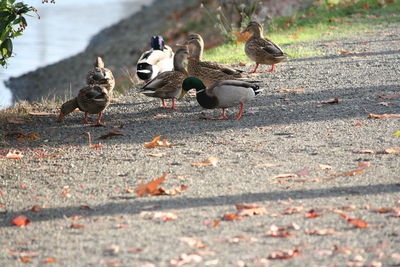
pixel 231 217
pixel 151 187
pixel 31 136
pixel 211 161
pixel 349 173
pixel 157 155
pixel 389 151
pixel 293 210
pixel 389 96
pixel 364 151
pixel 382 116
pixel 77 226
pixel 286 90
pixel 284 254
pixel 40 113
pixel 193 243
pixel 252 211
pixel 358 223
pixel 159 215
pixel 98 146
pixel 170 192
pixel 284 175
pixel 14 154
pixel 156 142
pixel 110 134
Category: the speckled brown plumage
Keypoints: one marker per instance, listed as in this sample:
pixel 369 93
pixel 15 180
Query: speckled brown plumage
pixel 101 76
pixel 262 50
pixel 208 72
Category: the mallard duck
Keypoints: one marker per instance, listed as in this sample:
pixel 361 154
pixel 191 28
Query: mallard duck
pixel 101 76
pixel 262 50
pixel 168 85
pixel 92 99
pixel 222 94
pixel 156 60
pixel 208 72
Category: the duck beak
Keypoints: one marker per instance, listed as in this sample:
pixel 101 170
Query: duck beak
pixel 183 93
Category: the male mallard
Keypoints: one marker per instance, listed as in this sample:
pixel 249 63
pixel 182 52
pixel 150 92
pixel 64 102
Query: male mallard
pixel 156 60
pixel 101 76
pixel 262 50
pixel 208 72
pixel 92 99
pixel 222 94
pixel 168 85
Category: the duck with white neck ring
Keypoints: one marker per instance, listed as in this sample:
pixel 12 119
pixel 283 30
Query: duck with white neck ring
pixel 222 94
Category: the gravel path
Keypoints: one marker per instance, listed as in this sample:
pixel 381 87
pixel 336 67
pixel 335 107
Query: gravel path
pixel 282 132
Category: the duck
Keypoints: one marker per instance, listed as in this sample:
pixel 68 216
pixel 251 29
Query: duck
pixel 262 50
pixel 101 76
pixel 222 94
pixel 168 85
pixel 208 72
pixel 158 59
pixel 91 99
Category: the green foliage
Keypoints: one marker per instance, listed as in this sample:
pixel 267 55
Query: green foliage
pixel 12 24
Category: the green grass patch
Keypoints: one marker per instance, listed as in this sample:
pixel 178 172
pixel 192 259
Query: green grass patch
pixel 323 20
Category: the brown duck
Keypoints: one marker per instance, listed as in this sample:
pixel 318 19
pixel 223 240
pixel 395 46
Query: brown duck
pixel 168 84
pixel 208 72
pixel 101 76
pixel 262 50
pixel 92 99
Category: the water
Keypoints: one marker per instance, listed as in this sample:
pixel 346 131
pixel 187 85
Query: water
pixel 64 29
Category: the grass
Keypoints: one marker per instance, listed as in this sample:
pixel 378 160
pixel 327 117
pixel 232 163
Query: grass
pixel 323 20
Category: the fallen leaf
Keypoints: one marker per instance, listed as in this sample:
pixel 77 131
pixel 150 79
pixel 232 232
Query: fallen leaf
pixel 134 250
pixel 330 44
pixel 286 90
pixel 268 165
pixel 250 210
pixel 17 120
pixel 157 143
pixel 321 232
pixel 36 208
pixel 284 254
pixel 384 210
pixel 364 165
pixel 292 210
pixel 332 101
pixel 110 134
pixel 49 260
pixel 364 151
pixel 20 220
pixel 211 161
pixel 98 146
pixel 284 175
pixel 388 151
pixel 14 154
pixel 193 243
pixel 231 217
pixel 157 155
pixel 186 259
pixel 349 173
pixel 25 259
pixel 77 226
pixel 278 232
pixel 358 223
pixel 389 96
pixel 151 187
pixel 159 215
pixel 382 116
pixel 312 214
pixel 31 136
pixel 170 192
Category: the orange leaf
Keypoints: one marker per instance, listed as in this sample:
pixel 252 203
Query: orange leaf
pixel 312 214
pixel 349 173
pixel 49 260
pixel 231 217
pixel 151 187
pixel 25 259
pixel 77 226
pixel 389 151
pixel 157 143
pixel 31 136
pixel 14 154
pixel 354 221
pixel 20 221
pixel 384 210
pixel 211 161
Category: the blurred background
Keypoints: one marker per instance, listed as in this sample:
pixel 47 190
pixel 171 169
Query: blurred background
pixel 64 29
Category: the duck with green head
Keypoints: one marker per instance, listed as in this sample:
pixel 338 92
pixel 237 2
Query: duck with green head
pixel 222 94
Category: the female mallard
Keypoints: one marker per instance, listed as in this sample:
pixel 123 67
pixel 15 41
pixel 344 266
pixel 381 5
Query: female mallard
pixel 222 94
pixel 92 99
pixel 101 76
pixel 262 50
pixel 156 60
pixel 208 72
pixel 168 85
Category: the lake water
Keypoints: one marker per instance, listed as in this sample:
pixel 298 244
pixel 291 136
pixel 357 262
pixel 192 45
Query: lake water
pixel 64 29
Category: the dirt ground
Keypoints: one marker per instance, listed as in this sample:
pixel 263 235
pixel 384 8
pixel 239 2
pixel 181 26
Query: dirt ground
pixel 321 179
